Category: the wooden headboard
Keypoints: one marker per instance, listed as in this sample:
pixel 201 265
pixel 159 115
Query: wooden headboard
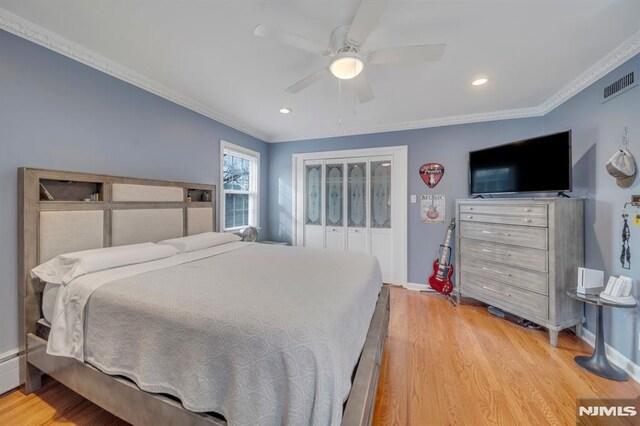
pixel 61 212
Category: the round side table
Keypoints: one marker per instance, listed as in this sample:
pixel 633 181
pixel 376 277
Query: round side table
pixel 598 363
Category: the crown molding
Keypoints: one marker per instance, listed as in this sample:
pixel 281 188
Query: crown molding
pixel 618 56
pixel 21 27
pixel 419 124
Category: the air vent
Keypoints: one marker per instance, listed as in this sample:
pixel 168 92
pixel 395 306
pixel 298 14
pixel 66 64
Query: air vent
pixel 621 85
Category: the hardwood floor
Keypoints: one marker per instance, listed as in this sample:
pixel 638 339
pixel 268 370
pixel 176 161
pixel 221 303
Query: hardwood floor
pixel 442 365
pixel 460 365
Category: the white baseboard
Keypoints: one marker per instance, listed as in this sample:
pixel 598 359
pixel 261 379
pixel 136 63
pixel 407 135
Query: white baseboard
pixel 614 356
pixel 417 287
pixel 9 371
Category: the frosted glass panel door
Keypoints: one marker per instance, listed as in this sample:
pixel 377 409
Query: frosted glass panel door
pixel 357 202
pixel 313 199
pixel 381 194
pixel 354 201
pixel 357 216
pixel 334 200
pixel 313 184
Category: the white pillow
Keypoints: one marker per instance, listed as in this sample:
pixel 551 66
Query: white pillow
pixel 64 268
pixel 201 241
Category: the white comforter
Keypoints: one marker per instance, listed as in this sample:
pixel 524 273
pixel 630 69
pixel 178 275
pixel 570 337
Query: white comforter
pixel 264 335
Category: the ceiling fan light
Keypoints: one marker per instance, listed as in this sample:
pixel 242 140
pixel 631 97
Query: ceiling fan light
pixel 346 67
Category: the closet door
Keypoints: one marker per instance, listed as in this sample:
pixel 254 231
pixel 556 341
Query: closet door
pixel 334 205
pixel 380 213
pixel 313 204
pixel 357 206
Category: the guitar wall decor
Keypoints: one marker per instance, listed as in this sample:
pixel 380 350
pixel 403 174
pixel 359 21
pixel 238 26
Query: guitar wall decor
pixel 440 281
pixel 431 174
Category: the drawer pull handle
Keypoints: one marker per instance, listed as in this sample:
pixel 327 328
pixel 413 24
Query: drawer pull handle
pixel 527 210
pixel 496 291
pixel 508 274
pixel 504 253
pixel 470 208
pixel 528 220
pixel 504 234
pixel 470 217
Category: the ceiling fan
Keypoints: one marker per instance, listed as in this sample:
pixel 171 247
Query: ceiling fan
pixel 347 60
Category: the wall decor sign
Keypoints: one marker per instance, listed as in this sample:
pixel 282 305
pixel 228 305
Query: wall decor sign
pixel 432 208
pixel 431 173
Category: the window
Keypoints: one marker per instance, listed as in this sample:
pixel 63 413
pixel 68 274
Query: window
pixel 240 171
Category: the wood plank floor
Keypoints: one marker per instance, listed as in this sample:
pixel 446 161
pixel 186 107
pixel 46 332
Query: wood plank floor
pixel 442 365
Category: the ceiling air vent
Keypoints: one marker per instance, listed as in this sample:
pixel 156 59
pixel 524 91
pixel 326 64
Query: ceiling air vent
pixel 621 85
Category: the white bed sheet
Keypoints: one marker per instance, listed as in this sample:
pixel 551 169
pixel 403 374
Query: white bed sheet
pixel 260 334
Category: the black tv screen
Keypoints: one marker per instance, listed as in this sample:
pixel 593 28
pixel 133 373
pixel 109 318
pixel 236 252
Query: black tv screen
pixel 541 164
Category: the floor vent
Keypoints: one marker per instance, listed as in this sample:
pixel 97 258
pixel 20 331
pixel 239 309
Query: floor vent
pixel 621 85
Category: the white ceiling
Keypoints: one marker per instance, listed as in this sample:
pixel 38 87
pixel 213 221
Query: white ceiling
pixel 203 54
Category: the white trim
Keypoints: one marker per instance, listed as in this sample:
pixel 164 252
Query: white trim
pixel 418 287
pixel 28 30
pixel 618 56
pixel 412 125
pixel 295 214
pixel 10 372
pixel 400 175
pixel 614 356
pixel 251 155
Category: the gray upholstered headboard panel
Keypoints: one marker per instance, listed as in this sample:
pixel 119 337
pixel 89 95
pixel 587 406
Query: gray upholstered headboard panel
pixel 199 220
pixel 131 226
pixel 68 231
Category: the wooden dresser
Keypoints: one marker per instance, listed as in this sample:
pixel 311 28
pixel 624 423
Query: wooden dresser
pixel 521 255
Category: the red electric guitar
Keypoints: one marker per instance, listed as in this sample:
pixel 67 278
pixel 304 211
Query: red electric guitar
pixel 440 281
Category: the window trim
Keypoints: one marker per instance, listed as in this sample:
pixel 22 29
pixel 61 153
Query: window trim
pixel 254 157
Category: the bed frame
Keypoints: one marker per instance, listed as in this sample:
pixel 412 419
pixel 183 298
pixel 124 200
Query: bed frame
pixel 126 211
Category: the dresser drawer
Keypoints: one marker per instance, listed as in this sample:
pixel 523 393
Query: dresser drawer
pixel 522 278
pixel 506 219
pixel 507 295
pixel 501 253
pixel 506 234
pixel 502 209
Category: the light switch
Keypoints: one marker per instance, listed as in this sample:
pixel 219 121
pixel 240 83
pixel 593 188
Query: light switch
pixel 414 199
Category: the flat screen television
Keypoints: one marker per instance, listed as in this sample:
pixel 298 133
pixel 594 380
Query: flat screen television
pixel 541 164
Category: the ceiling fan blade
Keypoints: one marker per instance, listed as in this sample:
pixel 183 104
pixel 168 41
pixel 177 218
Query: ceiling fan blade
pixel 363 89
pixel 367 17
pixel 307 81
pixel 407 54
pixel 291 40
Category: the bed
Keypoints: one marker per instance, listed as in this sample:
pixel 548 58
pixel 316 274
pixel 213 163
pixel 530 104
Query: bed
pixel 294 334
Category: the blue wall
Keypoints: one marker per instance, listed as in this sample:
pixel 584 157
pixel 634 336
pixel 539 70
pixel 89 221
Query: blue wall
pixel 597 130
pixel 58 114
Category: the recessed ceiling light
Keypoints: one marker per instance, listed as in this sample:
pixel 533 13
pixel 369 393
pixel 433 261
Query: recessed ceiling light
pixel 480 81
pixel 285 110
